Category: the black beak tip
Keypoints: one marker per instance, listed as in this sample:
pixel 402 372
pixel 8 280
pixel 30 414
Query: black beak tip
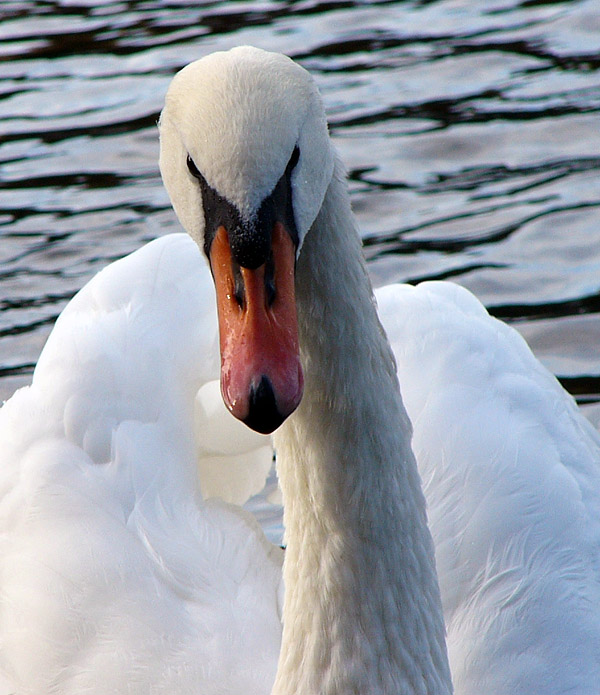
pixel 263 414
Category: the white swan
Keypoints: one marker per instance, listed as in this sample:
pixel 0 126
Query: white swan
pixel 116 575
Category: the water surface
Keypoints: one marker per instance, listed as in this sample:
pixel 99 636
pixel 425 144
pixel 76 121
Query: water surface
pixel 470 130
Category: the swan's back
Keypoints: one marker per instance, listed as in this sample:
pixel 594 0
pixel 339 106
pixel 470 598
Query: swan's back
pixel 111 562
pixel 511 474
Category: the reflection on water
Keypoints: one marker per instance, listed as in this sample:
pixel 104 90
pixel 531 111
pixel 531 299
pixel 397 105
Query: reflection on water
pixel 470 131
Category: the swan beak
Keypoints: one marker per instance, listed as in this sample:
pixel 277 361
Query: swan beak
pixel 261 376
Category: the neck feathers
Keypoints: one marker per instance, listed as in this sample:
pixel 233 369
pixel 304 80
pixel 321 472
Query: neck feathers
pixel 362 610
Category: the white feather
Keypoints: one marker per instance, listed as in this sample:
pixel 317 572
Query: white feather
pixel 511 472
pixel 113 569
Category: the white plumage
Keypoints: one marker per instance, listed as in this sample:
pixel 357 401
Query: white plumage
pixel 510 470
pixel 116 575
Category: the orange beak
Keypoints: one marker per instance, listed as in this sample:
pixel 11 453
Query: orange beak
pixel 261 376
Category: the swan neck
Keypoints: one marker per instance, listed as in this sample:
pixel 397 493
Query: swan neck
pixel 362 610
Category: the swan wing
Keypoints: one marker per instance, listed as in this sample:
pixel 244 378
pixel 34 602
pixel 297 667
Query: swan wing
pixel 112 560
pixel 511 474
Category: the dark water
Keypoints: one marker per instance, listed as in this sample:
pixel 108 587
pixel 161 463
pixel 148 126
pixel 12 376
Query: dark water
pixel 471 130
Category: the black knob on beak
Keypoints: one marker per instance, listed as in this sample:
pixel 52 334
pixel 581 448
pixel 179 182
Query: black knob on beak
pixel 263 414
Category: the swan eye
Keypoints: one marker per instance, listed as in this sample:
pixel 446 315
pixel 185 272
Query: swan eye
pixel 193 169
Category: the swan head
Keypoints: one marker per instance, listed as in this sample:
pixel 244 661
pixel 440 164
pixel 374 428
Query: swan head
pixel 246 159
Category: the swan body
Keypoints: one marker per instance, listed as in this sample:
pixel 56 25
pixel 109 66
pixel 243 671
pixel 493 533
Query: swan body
pixel 120 570
pixel 116 575
pixel 511 473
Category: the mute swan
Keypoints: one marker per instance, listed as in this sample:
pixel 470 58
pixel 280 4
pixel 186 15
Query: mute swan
pixel 118 576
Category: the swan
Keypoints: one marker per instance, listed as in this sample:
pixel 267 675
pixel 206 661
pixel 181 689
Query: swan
pixel 127 563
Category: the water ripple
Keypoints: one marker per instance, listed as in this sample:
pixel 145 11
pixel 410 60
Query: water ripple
pixel 470 131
